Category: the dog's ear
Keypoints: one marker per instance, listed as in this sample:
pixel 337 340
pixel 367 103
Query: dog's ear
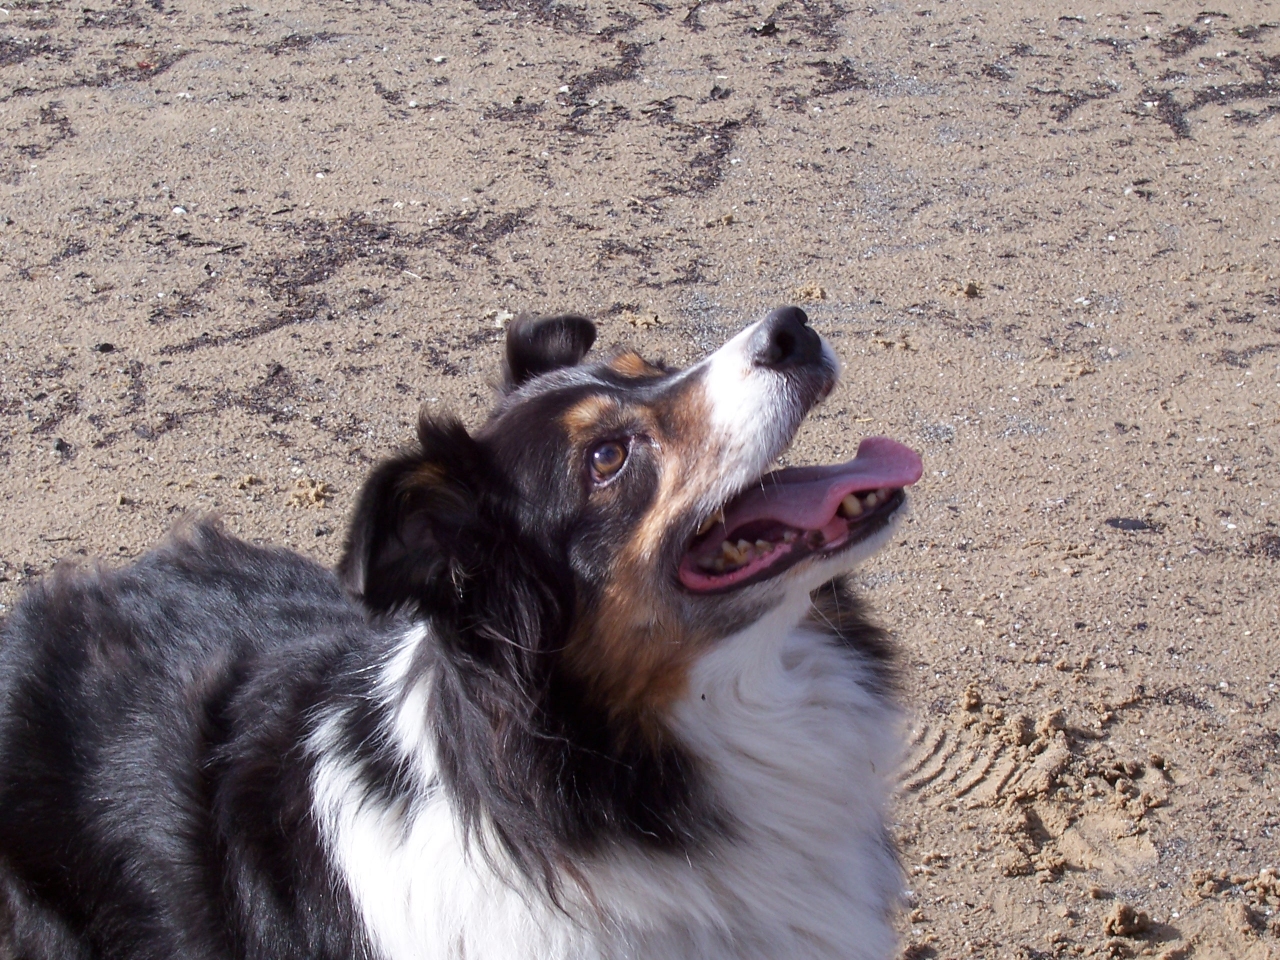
pixel 417 519
pixel 536 345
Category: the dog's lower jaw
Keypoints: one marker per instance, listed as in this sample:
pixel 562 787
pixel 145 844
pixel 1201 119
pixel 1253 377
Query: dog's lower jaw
pixel 845 560
pixel 794 586
pixel 795 741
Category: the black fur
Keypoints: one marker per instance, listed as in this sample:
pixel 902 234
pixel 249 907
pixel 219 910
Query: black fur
pixel 153 794
pixel 839 611
pixel 537 346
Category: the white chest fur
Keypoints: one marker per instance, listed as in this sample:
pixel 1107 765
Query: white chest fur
pixel 797 747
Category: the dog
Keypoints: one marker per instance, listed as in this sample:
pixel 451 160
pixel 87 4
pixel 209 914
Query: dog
pixel 587 683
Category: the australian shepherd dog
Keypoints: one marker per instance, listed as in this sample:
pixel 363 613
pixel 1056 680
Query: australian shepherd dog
pixel 586 683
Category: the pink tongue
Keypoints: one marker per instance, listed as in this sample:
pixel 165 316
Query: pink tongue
pixel 806 497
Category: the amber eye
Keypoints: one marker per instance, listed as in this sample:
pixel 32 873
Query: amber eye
pixel 607 459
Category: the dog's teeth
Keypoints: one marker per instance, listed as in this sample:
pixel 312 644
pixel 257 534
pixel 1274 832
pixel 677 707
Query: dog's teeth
pixel 850 506
pixel 737 554
pixel 763 547
pixel 730 554
pixel 711 521
pixel 869 501
pixel 790 537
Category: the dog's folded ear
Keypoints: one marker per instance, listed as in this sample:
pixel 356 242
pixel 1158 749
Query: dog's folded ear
pixel 537 345
pixel 417 520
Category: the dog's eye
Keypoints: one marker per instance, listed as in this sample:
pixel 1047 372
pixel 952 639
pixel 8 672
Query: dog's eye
pixel 607 459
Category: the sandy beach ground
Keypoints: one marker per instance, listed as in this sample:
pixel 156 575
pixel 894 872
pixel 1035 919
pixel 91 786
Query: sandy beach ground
pixel 242 243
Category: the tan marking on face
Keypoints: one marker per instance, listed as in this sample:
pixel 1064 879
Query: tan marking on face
pixel 634 650
pixel 631 364
pixel 585 416
pixel 690 466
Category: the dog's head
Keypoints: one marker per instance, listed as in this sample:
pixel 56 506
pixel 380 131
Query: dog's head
pixel 628 509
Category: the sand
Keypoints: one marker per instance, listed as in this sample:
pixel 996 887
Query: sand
pixel 240 244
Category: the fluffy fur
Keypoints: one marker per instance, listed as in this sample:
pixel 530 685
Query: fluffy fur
pixel 500 730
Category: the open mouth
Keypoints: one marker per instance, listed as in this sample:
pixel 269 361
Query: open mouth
pixel 799 512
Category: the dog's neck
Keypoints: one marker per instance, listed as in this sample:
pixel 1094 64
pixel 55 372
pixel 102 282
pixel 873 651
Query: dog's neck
pixel 790 735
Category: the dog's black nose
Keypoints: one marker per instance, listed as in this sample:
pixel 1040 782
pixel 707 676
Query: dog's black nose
pixel 784 339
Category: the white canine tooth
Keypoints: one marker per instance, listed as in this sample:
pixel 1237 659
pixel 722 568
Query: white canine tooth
pixel 711 521
pixel 745 550
pixel 869 500
pixel 763 547
pixel 850 506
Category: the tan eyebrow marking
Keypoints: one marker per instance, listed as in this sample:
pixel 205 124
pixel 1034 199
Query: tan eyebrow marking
pixel 586 415
pixel 631 364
